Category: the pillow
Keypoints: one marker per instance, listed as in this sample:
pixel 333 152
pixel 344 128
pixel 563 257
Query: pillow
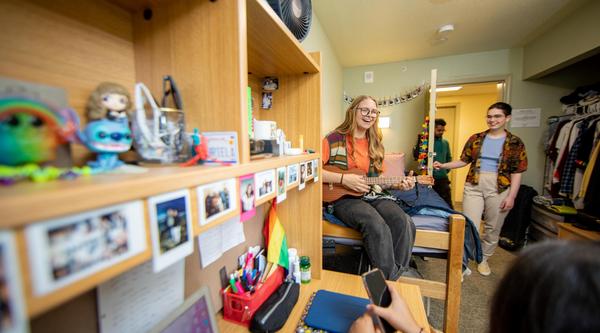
pixel 393 165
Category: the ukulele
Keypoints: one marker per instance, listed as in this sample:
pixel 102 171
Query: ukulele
pixel 333 192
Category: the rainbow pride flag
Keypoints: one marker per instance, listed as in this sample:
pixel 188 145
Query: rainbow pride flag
pixel 277 249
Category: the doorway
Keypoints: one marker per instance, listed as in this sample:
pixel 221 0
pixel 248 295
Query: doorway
pixel 463 108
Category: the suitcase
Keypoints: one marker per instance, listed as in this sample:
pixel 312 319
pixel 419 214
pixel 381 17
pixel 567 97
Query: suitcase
pixel 514 231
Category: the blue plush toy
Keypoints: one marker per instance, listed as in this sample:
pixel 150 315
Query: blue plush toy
pixel 107 138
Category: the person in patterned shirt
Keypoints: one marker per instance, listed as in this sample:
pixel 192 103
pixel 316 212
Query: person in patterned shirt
pixel 497 160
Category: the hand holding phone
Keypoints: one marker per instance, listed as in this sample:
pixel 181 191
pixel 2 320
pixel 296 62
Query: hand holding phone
pixel 389 310
pixel 379 294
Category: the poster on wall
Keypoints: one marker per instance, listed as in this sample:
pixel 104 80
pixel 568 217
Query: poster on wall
pixel 12 314
pixel 68 249
pixel 264 185
pixel 216 200
pixel 292 175
pixel 170 228
pixel 281 188
pixel 247 197
pixel 302 176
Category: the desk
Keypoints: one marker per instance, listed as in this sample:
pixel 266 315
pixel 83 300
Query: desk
pixel 571 232
pixel 345 284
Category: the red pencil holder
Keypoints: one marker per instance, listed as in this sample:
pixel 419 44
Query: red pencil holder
pixel 241 308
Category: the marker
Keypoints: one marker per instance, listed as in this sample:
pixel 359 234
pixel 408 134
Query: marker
pixel 232 283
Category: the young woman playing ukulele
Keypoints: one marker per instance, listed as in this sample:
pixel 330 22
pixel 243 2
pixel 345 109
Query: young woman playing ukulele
pixel 388 232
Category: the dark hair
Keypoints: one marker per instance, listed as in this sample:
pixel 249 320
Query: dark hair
pixel 552 287
pixel 440 122
pixel 505 107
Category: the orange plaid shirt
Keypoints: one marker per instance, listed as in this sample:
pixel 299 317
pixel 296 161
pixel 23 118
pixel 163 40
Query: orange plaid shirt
pixel 513 158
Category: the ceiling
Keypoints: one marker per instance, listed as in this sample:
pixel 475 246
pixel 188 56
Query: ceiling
pixel 364 32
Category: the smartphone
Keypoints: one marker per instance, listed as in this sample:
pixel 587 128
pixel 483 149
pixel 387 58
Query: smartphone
pixel 379 294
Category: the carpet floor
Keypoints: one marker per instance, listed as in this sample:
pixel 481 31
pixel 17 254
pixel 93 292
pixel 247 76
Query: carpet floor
pixel 477 291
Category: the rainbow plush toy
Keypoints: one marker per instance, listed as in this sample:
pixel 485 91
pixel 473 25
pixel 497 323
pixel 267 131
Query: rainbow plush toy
pixel 30 131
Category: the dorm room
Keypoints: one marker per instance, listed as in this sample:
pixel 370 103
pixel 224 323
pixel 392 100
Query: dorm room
pixel 84 249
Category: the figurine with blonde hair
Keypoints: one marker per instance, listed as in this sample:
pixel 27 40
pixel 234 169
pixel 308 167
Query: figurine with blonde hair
pixel 109 101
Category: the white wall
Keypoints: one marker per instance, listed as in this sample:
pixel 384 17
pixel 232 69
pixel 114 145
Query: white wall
pixel 331 76
pixel 395 78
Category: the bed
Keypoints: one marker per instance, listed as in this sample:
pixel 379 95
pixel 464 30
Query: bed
pixel 441 233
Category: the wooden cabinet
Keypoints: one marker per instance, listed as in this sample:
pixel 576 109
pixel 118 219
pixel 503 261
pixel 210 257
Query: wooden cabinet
pixel 571 232
pixel 214 50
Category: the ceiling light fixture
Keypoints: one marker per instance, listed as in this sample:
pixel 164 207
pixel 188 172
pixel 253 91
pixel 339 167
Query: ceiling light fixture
pixel 445 29
pixel 453 88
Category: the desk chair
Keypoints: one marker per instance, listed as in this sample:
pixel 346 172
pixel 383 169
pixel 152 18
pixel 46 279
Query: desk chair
pixel 451 241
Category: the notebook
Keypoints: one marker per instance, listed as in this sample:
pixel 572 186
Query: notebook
pixel 334 312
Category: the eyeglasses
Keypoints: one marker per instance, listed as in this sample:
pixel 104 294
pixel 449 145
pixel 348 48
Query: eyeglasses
pixel 368 112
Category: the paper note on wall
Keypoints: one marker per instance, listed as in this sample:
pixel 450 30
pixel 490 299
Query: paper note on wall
pixel 138 299
pixel 525 118
pixel 209 245
pixel 218 240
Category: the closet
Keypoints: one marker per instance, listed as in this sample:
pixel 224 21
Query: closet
pixel 215 50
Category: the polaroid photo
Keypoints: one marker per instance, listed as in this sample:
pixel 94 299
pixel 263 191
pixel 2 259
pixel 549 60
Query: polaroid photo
pixel 170 228
pixel 264 185
pixel 68 249
pixel 12 316
pixel 292 175
pixel 281 188
pixel 267 101
pixel 309 170
pixel 247 197
pixel 302 176
pixel 315 170
pixel 216 200
pixel 270 84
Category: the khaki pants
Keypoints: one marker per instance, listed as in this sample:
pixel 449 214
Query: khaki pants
pixel 484 198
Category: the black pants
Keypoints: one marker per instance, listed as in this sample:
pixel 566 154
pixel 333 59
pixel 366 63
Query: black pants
pixel 388 232
pixel 442 187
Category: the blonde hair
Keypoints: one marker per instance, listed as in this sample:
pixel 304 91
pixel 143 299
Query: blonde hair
pixel 374 135
pixel 94 107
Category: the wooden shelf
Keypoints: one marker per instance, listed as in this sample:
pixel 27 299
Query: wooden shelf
pixel 30 202
pixel 272 49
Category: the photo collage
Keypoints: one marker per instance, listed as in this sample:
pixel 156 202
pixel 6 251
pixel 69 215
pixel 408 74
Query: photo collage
pixel 68 249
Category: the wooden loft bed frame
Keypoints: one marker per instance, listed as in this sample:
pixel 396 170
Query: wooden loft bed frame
pixel 451 241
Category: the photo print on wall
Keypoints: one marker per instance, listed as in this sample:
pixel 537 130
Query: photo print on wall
pixel 264 185
pixel 67 249
pixel 12 315
pixel 216 200
pixel 247 197
pixel 171 228
pixel 302 176
pixel 281 188
pixel 292 175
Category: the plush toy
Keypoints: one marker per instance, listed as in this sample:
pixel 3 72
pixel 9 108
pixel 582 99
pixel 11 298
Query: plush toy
pixel 30 131
pixel 109 101
pixel 107 138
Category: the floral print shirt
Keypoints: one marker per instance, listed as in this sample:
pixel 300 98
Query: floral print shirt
pixel 513 158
